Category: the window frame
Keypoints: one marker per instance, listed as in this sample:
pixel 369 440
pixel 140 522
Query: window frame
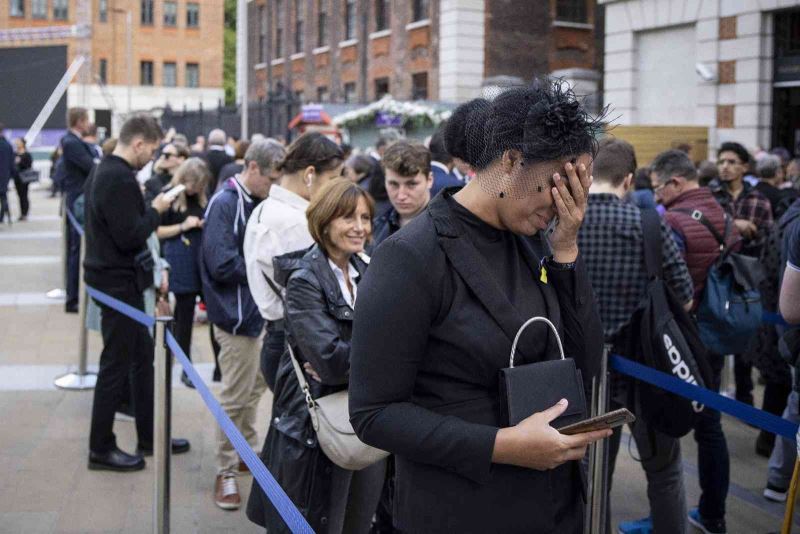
pixel 323 95
pixel 350 22
pixel 102 10
pixel 420 10
pixel 102 70
pixel 346 92
pixel 144 64
pixel 147 12
pixel 383 15
pixel 382 80
pixel 299 20
pixel 16 9
pixel 195 68
pixel 577 11
pixel 415 91
pixel 174 74
pixel 322 23
pixel 60 9
pixel 193 8
pixel 172 22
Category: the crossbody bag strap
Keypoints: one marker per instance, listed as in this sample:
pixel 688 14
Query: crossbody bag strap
pixel 301 377
pixel 651 237
pixel 698 216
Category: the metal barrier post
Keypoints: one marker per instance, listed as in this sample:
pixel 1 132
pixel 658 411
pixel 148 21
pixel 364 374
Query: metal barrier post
pixel 82 379
pixel 61 292
pixel 162 438
pixel 598 456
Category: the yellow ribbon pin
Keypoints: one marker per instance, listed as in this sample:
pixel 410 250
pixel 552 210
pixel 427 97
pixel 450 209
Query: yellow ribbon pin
pixel 543 275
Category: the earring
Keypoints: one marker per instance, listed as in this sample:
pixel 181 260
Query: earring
pixel 502 194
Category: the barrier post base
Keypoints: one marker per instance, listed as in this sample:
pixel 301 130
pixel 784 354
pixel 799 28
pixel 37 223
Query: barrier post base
pixel 76 381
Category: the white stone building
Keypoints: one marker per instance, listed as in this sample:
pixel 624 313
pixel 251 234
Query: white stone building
pixel 730 65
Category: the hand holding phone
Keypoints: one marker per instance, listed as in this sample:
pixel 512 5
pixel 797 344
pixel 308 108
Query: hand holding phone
pixel 604 421
pixel 173 193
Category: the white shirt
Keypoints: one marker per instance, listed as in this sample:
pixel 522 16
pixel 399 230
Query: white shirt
pixel 352 273
pixel 277 226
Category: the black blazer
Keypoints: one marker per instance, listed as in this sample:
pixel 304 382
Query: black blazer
pixel 430 335
pixel 79 158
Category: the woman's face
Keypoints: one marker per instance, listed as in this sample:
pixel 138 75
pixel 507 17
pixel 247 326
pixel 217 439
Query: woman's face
pixel 351 174
pixel 348 235
pixel 20 146
pixel 524 209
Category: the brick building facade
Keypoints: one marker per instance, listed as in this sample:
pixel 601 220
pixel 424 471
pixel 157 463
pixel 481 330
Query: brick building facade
pixel 358 50
pixel 175 54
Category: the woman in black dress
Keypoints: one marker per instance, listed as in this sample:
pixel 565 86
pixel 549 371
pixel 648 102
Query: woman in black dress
pixel 440 306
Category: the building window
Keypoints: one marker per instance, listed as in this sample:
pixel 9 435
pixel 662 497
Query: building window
pixel 278 28
pixel 39 9
pixel 419 86
pixel 192 15
pixel 350 92
pixel 61 9
pixel 381 87
pixel 420 10
pixel 322 23
pixel 146 12
pixel 350 19
pixel 262 33
pixel 146 73
pixel 299 96
pixel 102 10
pixel 382 15
pixel 102 71
pixel 571 11
pixel 170 75
pixel 170 14
pixel 298 26
pixel 192 75
pixel 17 8
pixel 322 94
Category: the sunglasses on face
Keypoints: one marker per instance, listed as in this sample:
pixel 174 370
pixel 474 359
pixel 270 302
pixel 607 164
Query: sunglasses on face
pixel 168 155
pixel 665 184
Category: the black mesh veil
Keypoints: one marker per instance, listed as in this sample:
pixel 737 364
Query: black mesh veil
pixel 517 140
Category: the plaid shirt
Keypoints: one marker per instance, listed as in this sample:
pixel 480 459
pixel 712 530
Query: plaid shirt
pixel 751 205
pixel 611 243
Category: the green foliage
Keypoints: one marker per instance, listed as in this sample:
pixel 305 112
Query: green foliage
pixel 229 53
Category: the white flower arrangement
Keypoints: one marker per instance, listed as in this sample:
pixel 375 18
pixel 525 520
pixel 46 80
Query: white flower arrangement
pixel 412 112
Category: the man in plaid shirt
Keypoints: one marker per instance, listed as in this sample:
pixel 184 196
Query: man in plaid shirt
pixel 611 242
pixel 752 215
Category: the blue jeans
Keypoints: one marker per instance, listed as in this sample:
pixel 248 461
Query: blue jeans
pixel 784 455
pixel 713 462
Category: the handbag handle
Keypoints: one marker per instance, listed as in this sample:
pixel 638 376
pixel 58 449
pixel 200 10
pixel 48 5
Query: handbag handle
pixel 301 379
pixel 524 326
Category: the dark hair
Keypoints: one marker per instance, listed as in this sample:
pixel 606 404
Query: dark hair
pixel 707 171
pixel 614 161
pixel 21 140
pixel 361 164
pixel 241 148
pixel 544 121
pixel 437 147
pixel 736 148
pixel 347 150
pixel 337 198
pixel 407 159
pixel 673 163
pixel 91 130
pixel 641 179
pixel 144 126
pixel 311 149
pixel 382 141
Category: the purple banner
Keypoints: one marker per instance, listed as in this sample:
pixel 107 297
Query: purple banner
pixel 46 138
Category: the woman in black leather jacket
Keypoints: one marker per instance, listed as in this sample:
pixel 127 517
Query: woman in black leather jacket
pixel 321 289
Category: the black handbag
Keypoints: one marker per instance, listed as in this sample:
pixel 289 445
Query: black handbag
pixel 535 387
pixel 28 176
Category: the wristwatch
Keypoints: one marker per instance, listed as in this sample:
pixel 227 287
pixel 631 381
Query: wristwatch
pixel 550 263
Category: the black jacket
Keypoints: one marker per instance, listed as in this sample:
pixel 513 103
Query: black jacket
pixel 216 159
pixel 117 226
pixel 430 336
pixel 319 326
pixel 6 163
pixel 78 159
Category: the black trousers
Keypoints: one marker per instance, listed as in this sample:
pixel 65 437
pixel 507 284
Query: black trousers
pixel 73 256
pixel 271 351
pixel 22 193
pixel 127 355
pixel 184 321
pixel 743 377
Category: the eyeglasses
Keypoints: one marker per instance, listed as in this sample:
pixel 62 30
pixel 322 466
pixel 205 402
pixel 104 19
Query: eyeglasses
pixel 665 184
pixel 168 155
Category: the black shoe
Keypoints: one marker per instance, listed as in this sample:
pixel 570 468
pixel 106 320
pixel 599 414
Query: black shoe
pixel 115 460
pixel 764 444
pixel 71 308
pixel 179 446
pixel 186 381
pixel 217 375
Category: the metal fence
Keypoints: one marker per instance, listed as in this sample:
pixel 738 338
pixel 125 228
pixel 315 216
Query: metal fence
pixel 268 116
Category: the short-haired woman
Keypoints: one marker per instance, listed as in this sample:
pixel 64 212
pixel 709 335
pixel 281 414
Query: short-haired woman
pixel 441 304
pixel 321 292
pixel 181 231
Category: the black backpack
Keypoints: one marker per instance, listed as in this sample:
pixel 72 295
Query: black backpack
pixel 663 336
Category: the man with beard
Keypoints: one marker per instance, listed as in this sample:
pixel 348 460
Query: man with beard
pixel 118 263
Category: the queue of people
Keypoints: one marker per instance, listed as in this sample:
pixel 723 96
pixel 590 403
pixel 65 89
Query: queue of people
pixel 322 274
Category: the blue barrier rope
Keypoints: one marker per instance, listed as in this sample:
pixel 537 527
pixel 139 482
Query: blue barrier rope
pixel 288 511
pixel 753 416
pixel 74 222
pixel 126 309
pixel 773 318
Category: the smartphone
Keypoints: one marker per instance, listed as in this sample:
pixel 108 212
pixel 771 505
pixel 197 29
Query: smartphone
pixel 173 193
pixel 601 422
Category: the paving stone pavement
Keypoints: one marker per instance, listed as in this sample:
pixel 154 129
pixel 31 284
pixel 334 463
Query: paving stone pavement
pixel 45 486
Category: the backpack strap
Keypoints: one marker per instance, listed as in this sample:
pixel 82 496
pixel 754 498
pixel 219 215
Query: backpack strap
pixel 651 242
pixel 698 216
